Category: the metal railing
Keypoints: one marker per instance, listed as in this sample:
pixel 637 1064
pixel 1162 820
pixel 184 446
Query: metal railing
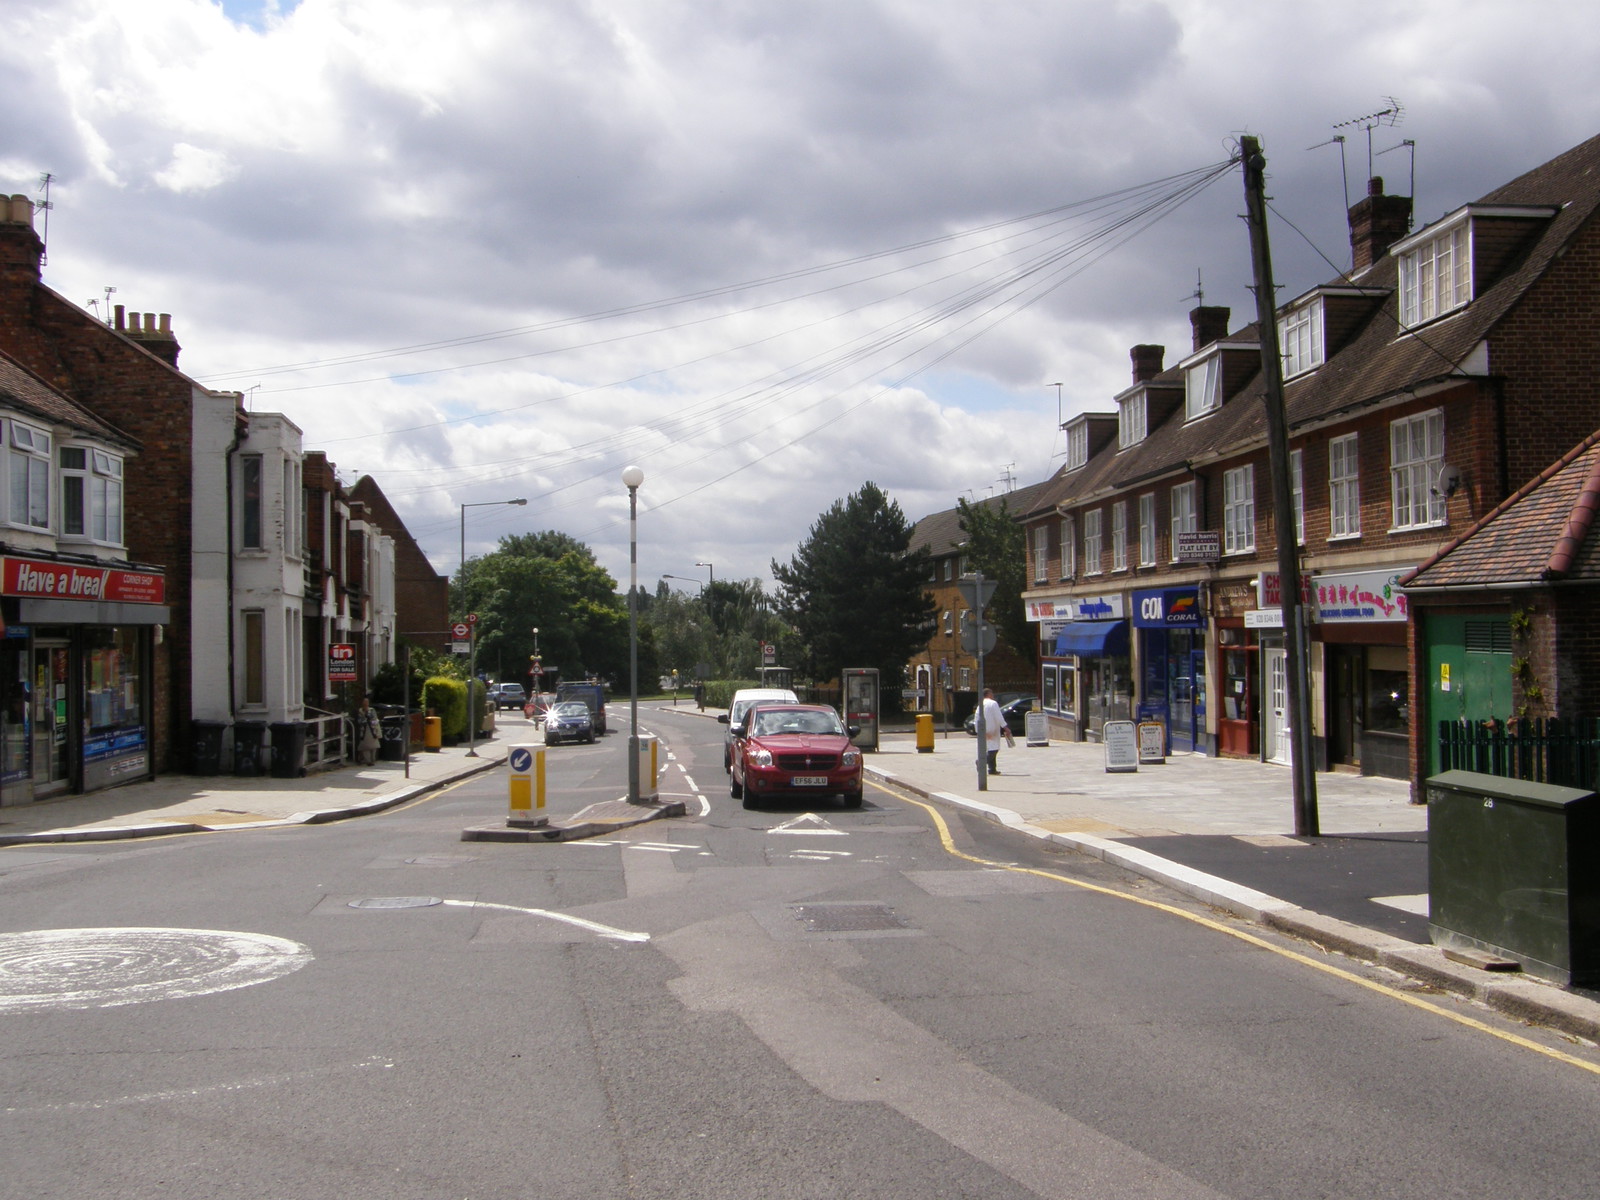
pixel 329 737
pixel 1539 749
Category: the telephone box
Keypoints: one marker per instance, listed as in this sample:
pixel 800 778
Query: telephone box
pixel 861 704
pixel 777 677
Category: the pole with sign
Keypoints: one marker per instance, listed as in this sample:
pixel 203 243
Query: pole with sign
pixel 472 679
pixel 978 637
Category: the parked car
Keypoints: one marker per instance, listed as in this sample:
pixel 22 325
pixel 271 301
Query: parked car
pixel 1015 711
pixel 794 750
pixel 568 721
pixel 593 694
pixel 739 705
pixel 508 695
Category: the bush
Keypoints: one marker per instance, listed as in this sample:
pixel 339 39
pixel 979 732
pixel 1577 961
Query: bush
pixel 446 698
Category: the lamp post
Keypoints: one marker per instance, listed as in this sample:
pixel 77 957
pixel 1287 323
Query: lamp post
pixel 632 477
pixel 711 571
pixel 472 659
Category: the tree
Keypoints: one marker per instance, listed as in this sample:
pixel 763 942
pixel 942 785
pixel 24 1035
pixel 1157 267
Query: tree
pixel 855 590
pixel 997 546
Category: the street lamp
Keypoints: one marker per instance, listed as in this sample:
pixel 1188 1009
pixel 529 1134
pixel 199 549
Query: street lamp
pixel 683 579
pixel 632 477
pixel 472 661
pixel 710 570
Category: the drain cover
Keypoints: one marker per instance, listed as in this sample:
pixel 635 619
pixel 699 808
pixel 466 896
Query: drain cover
pixel 848 918
pixel 396 902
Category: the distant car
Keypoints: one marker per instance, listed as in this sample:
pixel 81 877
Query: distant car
pixel 568 721
pixel 1015 711
pixel 508 695
pixel 794 750
pixel 739 705
pixel 538 704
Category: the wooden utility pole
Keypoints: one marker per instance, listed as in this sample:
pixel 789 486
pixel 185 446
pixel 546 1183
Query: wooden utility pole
pixel 1302 768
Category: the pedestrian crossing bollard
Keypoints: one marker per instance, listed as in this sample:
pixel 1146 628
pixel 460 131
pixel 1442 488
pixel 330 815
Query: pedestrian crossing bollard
pixel 649 769
pixel 525 786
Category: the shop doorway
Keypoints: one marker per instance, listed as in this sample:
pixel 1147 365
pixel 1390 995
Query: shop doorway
pixel 1275 731
pixel 50 718
pixel 1346 670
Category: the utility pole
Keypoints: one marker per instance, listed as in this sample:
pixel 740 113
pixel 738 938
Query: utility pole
pixel 1302 769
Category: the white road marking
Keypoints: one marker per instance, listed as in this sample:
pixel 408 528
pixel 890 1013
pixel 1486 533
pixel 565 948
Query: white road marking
pixel 1415 905
pixel 605 931
pixel 237 1085
pixel 808 823
pixel 105 968
pixel 820 855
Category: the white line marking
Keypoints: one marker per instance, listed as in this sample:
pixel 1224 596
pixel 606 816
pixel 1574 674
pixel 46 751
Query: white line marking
pixel 605 931
pixel 808 819
pixel 238 1085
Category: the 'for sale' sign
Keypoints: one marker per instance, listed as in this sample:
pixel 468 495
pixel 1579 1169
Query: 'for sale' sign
pixel 341 662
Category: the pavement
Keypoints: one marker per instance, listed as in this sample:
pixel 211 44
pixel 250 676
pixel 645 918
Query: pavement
pixel 1218 830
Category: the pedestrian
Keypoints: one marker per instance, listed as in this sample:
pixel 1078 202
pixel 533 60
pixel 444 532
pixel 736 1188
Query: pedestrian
pixel 369 733
pixel 994 729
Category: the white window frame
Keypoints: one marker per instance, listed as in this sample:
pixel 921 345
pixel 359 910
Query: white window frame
pixel 30 468
pixel 1092 548
pixel 1069 548
pixel 1344 487
pixel 100 495
pixel 1436 276
pixel 1131 421
pixel 1416 453
pixel 1239 510
pixel 1185 512
pixel 1041 553
pixel 1147 530
pixel 1302 339
pixel 1297 494
pixel 1077 445
pixel 1119 536
pixel 1202 387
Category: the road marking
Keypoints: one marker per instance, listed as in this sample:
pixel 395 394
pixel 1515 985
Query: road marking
pixel 237 1085
pixel 106 968
pixel 808 823
pixel 1417 906
pixel 820 855
pixel 1371 985
pixel 605 931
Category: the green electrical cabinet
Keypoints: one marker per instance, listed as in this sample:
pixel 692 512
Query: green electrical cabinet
pixel 1512 869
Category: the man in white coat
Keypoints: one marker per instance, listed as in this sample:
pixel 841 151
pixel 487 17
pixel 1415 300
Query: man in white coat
pixel 994 728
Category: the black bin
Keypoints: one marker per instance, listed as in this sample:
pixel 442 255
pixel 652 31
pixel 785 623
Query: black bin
pixel 205 746
pixel 249 747
pixel 392 743
pixel 288 749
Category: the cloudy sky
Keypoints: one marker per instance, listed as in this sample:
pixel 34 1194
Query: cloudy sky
pixel 768 250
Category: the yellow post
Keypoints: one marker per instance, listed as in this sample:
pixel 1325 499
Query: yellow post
pixel 525 785
pixel 432 733
pixel 924 733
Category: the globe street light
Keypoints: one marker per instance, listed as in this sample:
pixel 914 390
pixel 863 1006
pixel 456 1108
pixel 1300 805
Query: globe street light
pixel 472 661
pixel 711 571
pixel 632 477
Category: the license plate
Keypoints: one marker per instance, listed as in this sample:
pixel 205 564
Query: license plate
pixel 810 781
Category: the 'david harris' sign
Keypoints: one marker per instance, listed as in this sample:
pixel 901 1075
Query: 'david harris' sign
pixel 42 580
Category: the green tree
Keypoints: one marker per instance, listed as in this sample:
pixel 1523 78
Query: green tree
pixel 854 591
pixel 997 546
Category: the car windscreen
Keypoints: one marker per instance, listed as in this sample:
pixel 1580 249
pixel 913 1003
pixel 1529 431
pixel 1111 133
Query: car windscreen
pixel 571 708
pixel 773 722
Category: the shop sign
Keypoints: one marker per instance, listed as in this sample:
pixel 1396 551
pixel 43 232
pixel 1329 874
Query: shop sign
pixel 42 579
pixel 1264 618
pixel 1167 608
pixel 1121 746
pixel 1269 590
pixel 1049 610
pixel 1360 596
pixel 1203 545
pixel 341 662
pixel 1076 608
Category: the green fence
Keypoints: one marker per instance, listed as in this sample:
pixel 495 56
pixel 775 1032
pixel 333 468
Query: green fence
pixel 1540 749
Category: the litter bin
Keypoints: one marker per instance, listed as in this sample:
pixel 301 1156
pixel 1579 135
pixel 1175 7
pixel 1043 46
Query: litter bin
pixel 205 746
pixel 249 747
pixel 288 749
pixel 392 747
pixel 432 734
pixel 1511 871
pixel 924 733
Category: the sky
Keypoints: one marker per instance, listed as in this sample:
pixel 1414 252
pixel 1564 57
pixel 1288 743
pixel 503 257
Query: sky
pixel 766 250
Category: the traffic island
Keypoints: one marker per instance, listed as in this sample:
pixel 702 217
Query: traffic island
pixel 607 816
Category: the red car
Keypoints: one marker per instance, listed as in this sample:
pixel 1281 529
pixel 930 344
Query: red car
pixel 794 750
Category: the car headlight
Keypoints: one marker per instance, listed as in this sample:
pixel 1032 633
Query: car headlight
pixel 760 758
pixel 850 758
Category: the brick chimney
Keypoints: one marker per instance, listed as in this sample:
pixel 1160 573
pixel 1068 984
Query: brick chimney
pixel 1146 361
pixel 1210 324
pixel 20 250
pixel 1376 223
pixel 154 334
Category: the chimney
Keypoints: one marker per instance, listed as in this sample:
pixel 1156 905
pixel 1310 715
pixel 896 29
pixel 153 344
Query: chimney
pixel 154 334
pixel 20 247
pixel 1146 361
pixel 1210 324
pixel 1376 223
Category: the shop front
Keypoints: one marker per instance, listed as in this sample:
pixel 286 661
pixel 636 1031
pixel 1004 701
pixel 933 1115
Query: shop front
pixel 75 675
pixel 1091 668
pixel 1172 663
pixel 1361 617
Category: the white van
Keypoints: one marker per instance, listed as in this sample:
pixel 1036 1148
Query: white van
pixel 742 700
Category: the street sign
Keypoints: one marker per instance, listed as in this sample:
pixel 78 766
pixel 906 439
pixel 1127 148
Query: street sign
pixel 461 630
pixel 975 635
pixel 977 599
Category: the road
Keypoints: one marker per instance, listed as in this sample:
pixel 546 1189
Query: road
pixel 792 1002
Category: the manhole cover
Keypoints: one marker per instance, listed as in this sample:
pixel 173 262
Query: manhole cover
pixel 396 902
pixel 848 918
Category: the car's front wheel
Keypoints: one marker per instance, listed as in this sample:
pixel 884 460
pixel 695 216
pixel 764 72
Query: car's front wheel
pixel 852 799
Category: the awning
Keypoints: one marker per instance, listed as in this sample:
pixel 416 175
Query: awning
pixel 1091 639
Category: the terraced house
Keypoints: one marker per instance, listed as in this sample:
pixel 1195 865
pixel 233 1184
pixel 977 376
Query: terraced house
pixel 1450 366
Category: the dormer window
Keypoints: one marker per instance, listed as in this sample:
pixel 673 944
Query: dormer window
pixel 1203 387
pixel 1435 275
pixel 1077 445
pixel 1131 420
pixel 1302 339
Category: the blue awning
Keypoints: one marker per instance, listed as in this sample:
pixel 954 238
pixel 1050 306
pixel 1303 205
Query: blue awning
pixel 1090 639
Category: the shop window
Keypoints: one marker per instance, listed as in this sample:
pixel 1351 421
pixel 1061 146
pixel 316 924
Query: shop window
pixel 1047 689
pixel 1387 711
pixel 114 691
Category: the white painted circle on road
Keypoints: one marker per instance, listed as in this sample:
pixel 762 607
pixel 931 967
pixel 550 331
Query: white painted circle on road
pixel 102 968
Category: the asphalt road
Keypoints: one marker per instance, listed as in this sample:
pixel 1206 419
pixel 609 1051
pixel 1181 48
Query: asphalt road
pixel 891 1002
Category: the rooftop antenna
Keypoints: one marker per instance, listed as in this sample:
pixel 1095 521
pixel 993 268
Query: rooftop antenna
pixel 1410 146
pixel 44 205
pixel 1390 114
pixel 110 292
pixel 1344 170
pixel 1057 387
pixel 1008 476
pixel 1199 293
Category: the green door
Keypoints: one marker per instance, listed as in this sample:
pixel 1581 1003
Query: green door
pixel 1469 673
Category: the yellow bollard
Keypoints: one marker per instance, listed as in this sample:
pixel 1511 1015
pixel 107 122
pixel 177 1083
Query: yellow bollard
pixel 525 786
pixel 432 734
pixel 924 733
